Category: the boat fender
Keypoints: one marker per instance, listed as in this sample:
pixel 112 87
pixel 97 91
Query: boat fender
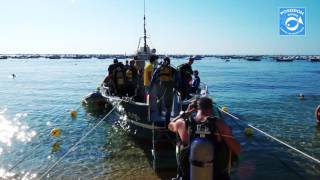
pixel 55 132
pixel 317 113
pixel 201 159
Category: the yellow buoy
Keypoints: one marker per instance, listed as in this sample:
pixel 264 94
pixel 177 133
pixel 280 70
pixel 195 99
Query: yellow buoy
pixel 224 109
pixel 248 131
pixel 55 132
pixel 55 146
pixel 73 114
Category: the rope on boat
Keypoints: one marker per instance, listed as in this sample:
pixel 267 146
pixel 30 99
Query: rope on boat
pixel 274 138
pixel 78 142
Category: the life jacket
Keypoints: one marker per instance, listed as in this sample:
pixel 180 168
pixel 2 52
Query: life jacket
pixel 129 75
pixel 165 73
pixel 119 76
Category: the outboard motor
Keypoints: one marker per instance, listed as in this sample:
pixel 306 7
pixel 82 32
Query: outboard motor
pixel 201 154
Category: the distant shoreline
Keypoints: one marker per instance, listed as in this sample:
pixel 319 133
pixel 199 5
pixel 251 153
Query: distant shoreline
pixel 177 56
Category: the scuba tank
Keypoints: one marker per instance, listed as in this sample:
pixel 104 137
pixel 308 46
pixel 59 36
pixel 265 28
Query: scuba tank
pixel 119 75
pixel 201 154
pixel 129 75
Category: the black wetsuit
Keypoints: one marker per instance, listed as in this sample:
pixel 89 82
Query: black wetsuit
pixel 185 75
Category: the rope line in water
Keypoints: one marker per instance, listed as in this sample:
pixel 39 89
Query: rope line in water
pixel 35 148
pixel 78 142
pixel 271 153
pixel 289 146
pixel 24 158
pixel 274 138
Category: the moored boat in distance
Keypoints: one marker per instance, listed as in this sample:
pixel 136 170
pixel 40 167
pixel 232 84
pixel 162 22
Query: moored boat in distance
pixel 253 58
pixel 102 56
pixel 197 57
pixel 314 58
pixel 3 57
pixel 284 59
pixel 53 56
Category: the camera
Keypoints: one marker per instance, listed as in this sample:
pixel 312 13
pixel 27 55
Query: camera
pixel 194 104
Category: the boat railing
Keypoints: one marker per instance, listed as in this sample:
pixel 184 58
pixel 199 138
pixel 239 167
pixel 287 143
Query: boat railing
pixel 202 91
pixel 204 87
pixel 105 90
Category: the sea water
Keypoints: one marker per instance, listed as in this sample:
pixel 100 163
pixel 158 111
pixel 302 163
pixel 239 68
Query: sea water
pixel 43 92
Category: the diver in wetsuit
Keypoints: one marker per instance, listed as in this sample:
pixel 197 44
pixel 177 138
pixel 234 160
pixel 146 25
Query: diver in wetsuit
pixel 185 72
pixel 220 136
pixel 165 78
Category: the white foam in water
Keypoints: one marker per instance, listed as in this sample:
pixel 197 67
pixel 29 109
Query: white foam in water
pixel 49 123
pixel 14 130
pixel 3 111
pixel 10 130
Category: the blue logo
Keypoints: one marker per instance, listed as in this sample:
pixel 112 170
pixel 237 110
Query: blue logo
pixel 292 21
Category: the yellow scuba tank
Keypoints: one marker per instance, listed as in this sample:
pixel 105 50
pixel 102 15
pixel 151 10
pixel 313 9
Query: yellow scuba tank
pixel 129 75
pixel 119 76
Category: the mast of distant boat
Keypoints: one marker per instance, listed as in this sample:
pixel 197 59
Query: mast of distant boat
pixel 144 26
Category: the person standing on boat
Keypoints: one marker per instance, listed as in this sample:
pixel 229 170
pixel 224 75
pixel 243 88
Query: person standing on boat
pixel 148 72
pixel 195 82
pixel 131 79
pixel 185 72
pixel 165 77
pixel 118 75
pixel 126 66
pixel 108 80
pixel 221 136
pixel 112 67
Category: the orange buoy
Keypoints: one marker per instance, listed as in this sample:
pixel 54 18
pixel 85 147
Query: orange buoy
pixel 55 132
pixel 317 113
pixel 73 114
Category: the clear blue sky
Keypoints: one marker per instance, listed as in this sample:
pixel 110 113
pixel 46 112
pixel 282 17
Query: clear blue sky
pixel 175 26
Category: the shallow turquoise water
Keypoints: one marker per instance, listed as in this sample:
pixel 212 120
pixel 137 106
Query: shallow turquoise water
pixel 41 96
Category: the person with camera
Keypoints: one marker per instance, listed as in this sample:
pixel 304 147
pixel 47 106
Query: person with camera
pixel 221 137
